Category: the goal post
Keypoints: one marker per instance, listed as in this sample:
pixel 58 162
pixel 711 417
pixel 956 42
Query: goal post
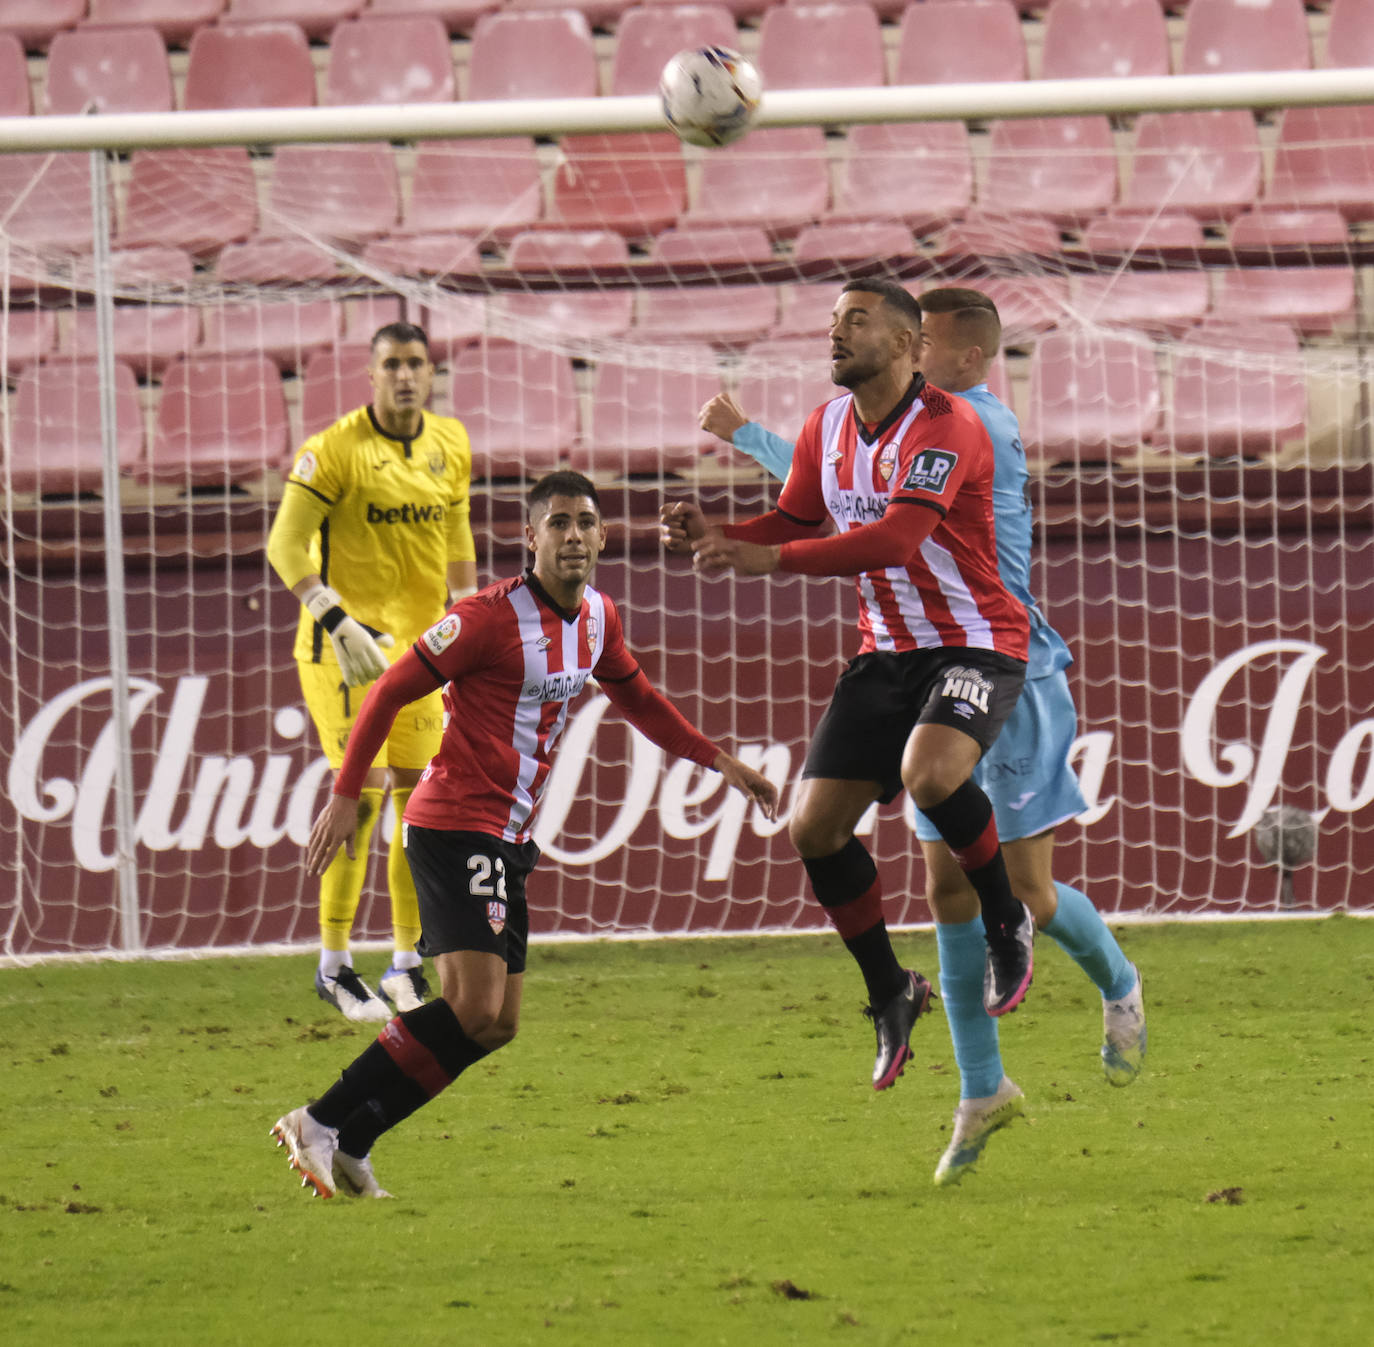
pixel 1200 438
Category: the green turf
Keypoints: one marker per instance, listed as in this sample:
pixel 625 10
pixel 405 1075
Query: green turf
pixel 682 1148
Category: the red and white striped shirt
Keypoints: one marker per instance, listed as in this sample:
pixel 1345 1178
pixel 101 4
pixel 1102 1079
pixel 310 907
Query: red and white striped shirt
pixel 931 453
pixel 511 660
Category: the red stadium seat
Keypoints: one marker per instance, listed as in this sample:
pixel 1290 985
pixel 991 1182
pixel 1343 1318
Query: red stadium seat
pixel 458 16
pixel 30 335
pixel 739 9
pixel 333 382
pixel 782 382
pixel 1317 300
pixel 401 59
pixel 15 99
pixel 317 18
pixel 918 172
pixel 250 65
pixel 269 261
pixel 197 199
pixel 222 419
pixel 778 179
pixel 519 405
pixel 821 47
pixel 1155 301
pixel 649 34
pixel 176 20
pixel 45 200
pixel 1205 163
pixel 805 310
pixel 1087 39
pixel 855 241
pixel 364 314
pixel 56 442
pixel 934 45
pixel 284 329
pixel 598 13
pixel 725 315
pixel 644 418
pixel 1236 35
pixel 1350 33
pixel 980 234
pixel 541 54
pixel 1061 167
pixel 745 245
pixel 454 322
pixel 1323 159
pixel 1091 396
pixel 634 183
pixel 340 192
pixel 35 22
pixel 1238 390
pixel 425 255
pixel 572 313
pixel 482 188
pixel 1027 307
pixel 108 70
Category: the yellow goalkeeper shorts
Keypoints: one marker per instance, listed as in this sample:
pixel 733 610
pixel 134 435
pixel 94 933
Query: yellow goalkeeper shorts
pixel 333 706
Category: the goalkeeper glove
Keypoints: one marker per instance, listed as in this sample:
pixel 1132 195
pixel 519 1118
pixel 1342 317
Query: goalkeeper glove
pixel 356 645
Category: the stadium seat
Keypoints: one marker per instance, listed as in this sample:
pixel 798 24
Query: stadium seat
pixel 194 198
pixel 822 46
pixel 644 418
pixel 364 314
pixel 15 98
pixel 454 322
pixel 176 20
pixel 854 241
pixel 147 337
pixel 1027 306
pixel 1091 396
pixel 598 13
pixel 56 443
pixel 725 315
pixel 1205 163
pixel 634 183
pixel 35 22
pixel 249 65
pixel 271 261
pixel 574 313
pixel 108 70
pixel 481 188
pixel 283 328
pixel 1221 36
pixel 934 48
pixel 732 246
pixel 980 234
pixel 649 34
pixel 805 310
pixel 425 255
pixel 30 335
pixel 333 382
pixel 1063 168
pixel 1089 39
pixel 458 16
pixel 45 200
pixel 1323 160
pixel 1153 301
pixel 781 382
pixel 1237 390
pixel 221 419
pixel 400 59
pixel 1350 33
pixel 1315 299
pixel 317 18
pixel 539 54
pixel 918 172
pixel 740 10
pixel 340 192
pixel 519 405
pixel 777 178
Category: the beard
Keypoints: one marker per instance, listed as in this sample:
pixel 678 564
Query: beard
pixel 856 372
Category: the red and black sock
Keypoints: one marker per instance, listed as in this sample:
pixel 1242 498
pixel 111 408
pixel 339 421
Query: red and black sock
pixel 965 821
pixel 846 884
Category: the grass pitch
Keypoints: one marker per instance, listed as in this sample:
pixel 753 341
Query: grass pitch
pixel 682 1147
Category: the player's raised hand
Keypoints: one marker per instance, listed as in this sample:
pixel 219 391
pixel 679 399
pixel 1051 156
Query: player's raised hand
pixel 334 828
pixel 722 416
pixel 715 554
pixel 680 524
pixel 749 782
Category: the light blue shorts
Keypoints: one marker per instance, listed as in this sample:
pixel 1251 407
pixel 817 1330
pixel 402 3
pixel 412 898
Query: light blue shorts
pixel 1026 772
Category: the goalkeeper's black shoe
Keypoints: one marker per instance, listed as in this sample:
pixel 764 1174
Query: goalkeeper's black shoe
pixel 894 1023
pixel 1010 963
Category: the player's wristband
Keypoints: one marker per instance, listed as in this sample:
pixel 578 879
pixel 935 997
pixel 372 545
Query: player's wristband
pixel 324 605
pixel 466 592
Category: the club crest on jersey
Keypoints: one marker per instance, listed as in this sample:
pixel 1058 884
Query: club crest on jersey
pixel 930 470
pixel 592 628
pixel 436 464
pixel 496 915
pixel 442 634
pixel 305 466
pixel 887 461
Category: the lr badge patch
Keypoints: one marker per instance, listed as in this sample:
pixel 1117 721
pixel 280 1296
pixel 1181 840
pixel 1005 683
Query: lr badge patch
pixel 496 915
pixel 930 470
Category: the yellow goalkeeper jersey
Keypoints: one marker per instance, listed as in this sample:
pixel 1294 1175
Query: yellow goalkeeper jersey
pixel 379 518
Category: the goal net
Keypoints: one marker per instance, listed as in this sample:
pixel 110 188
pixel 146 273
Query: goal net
pixel 1191 370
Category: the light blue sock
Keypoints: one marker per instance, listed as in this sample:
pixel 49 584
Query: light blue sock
pixel 1078 929
pixel 963 952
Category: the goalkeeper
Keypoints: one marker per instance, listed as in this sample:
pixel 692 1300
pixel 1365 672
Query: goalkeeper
pixel 373 537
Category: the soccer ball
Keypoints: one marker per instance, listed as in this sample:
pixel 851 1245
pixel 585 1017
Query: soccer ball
pixel 1286 836
pixel 710 95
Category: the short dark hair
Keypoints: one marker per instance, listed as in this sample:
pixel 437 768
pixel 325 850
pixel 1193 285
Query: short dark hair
pixel 975 314
pixel 401 334
pixel 561 482
pixel 893 295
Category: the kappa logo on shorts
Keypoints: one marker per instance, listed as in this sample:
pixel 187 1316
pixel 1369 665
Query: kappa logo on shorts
pixel 969 687
pixel 442 634
pixel 930 471
pixel 496 915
